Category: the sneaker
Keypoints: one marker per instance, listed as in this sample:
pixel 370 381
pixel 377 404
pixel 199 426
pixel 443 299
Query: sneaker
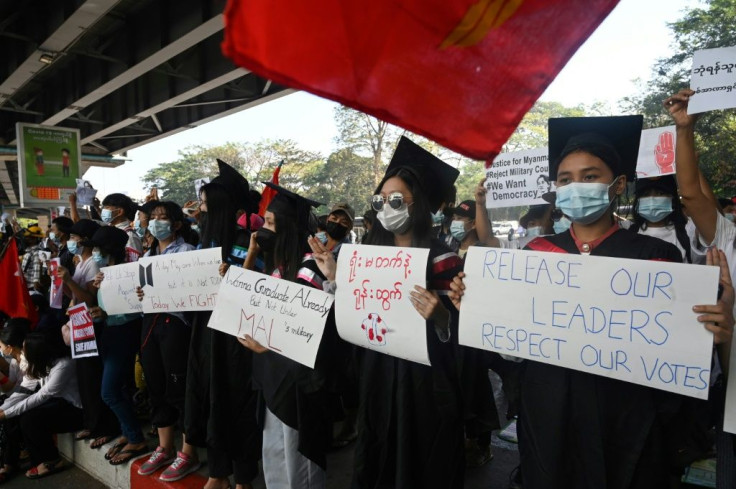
pixel 158 459
pixel 180 468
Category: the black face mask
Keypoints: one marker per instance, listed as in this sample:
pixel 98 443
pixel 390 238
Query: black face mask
pixel 336 231
pixel 266 239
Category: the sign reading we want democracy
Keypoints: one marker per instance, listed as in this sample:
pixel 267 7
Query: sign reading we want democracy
pixel 519 178
pixel 630 320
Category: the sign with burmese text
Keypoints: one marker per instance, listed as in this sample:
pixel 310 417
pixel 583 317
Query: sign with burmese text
pixel 180 282
pixel 630 320
pixel 283 316
pixel 373 308
pixel 518 178
pixel 713 79
pixel 118 289
pixel 83 341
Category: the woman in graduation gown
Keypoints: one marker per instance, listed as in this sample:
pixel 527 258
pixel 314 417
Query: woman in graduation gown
pixel 410 420
pixel 578 430
pixel 220 405
pixel 294 400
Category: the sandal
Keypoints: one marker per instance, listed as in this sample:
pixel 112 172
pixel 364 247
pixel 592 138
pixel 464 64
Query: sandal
pixel 115 450
pixel 129 455
pixel 83 435
pixel 100 441
pixel 51 468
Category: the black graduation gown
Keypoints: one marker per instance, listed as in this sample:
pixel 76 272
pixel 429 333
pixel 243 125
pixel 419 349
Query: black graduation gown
pixel 580 431
pixel 220 405
pixel 302 398
pixel 410 422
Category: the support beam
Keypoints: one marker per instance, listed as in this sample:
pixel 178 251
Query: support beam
pixel 7 184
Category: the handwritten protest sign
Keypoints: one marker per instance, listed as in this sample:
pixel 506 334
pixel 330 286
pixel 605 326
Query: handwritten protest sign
pixel 57 292
pixel 729 418
pixel 83 341
pixel 180 282
pixel 283 316
pixel 373 303
pixel 713 79
pixel 630 320
pixel 518 178
pixel 118 289
pixel 656 152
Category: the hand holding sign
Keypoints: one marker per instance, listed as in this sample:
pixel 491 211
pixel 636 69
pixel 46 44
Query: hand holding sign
pixel 677 106
pixel 718 318
pixel 324 258
pixel 664 153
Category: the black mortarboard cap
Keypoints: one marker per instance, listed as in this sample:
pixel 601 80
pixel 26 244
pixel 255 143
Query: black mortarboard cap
pixel 665 183
pixel 292 205
pixel 235 184
pixel 615 140
pixel 436 176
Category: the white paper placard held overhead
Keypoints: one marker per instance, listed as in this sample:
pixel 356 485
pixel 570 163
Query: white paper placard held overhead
pixel 180 282
pixel 118 289
pixel 630 320
pixel 656 152
pixel 518 178
pixel 283 316
pixel 713 79
pixel 373 307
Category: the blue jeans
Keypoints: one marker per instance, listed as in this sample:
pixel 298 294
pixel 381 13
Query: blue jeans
pixel 118 348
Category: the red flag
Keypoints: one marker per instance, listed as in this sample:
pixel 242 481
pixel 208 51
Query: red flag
pixel 268 193
pixel 460 72
pixel 15 301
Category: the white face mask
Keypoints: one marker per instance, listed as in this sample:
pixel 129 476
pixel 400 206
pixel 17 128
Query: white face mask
pixel 395 220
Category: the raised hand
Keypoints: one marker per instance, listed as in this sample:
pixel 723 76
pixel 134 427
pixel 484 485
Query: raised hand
pixel 324 258
pixel 718 318
pixel 480 192
pixel 676 105
pixel 664 153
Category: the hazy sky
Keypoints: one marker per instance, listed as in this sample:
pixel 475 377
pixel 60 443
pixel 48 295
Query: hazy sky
pixel 623 49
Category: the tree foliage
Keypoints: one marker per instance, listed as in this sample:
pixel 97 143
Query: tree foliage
pixel 706 27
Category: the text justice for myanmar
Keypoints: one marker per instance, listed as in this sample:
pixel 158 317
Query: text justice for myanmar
pixel 280 295
pixel 633 325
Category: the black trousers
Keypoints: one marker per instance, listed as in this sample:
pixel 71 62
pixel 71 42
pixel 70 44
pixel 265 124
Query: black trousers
pixel 10 442
pixel 40 424
pixel 221 466
pixel 164 354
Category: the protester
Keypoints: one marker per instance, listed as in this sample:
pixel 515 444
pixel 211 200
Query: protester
pixel 54 408
pixel 220 405
pixel 140 225
pixel 33 266
pixel 118 210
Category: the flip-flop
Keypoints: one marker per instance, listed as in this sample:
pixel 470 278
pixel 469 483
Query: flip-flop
pixel 83 435
pixel 100 441
pixel 115 450
pixel 51 468
pixel 131 455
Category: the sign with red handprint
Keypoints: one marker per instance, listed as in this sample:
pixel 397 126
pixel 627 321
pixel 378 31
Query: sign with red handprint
pixel 656 152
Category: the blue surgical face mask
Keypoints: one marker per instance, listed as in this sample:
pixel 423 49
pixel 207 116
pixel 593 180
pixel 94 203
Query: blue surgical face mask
pixel 73 248
pixel 438 217
pixel 730 217
pixel 562 225
pixel 106 216
pixel 534 231
pixel 584 203
pixel 321 236
pixel 99 259
pixel 139 230
pixel 654 209
pixel 457 229
pixel 160 229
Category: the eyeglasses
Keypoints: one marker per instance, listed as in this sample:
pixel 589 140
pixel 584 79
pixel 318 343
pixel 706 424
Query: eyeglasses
pixel 394 200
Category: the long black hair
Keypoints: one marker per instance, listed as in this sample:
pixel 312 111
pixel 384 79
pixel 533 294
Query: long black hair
pixel 289 248
pixel 40 354
pixel 219 221
pixel 15 331
pixel 421 214
pixel 676 218
pixel 175 214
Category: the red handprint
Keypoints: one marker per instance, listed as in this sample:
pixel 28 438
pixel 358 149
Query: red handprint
pixel 664 153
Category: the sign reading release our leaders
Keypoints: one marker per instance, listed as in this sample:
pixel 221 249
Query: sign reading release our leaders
pixel 283 316
pixel 373 308
pixel 630 320
pixel 179 282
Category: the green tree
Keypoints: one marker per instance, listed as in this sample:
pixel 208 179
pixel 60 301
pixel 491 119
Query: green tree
pixel 343 178
pixel 706 27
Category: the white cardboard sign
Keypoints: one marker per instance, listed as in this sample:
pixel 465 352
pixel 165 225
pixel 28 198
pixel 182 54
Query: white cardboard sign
pixel 373 307
pixel 656 152
pixel 285 317
pixel 630 320
pixel 180 282
pixel 118 289
pixel 713 79
pixel 518 178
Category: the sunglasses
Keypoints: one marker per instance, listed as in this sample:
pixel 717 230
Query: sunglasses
pixel 395 201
